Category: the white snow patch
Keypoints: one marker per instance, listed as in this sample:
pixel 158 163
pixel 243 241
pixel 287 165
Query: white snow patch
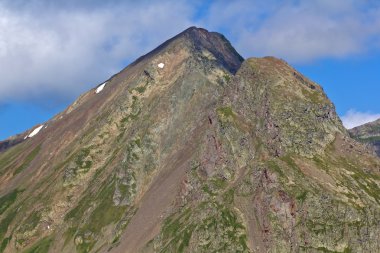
pixel 100 88
pixel 161 65
pixel 35 131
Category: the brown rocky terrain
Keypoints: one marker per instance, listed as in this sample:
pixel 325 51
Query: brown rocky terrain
pixel 191 148
pixel 368 133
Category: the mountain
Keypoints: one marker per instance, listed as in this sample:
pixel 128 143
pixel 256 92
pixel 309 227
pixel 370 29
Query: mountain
pixel 368 133
pixel 191 148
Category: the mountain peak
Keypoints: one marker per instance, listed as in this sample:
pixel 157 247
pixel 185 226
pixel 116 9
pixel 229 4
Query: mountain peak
pixel 200 41
pixel 194 29
pixel 216 44
pixel 189 149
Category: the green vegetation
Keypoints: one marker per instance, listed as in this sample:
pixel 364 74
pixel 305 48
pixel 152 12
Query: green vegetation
pixel 218 183
pixel 290 162
pixel 302 197
pixel 369 186
pixel 179 235
pixel 80 159
pixel 226 116
pixel 367 133
pixel 138 142
pixel 140 89
pixel 4 244
pixel 227 78
pixel 8 157
pixel 225 111
pixel 104 214
pixel 7 200
pixel 321 163
pixel 207 190
pixel 131 155
pixel 31 222
pixel 365 180
pixel 77 164
pixel 28 160
pixel 42 246
pixel 131 116
pixel 221 218
pixel 369 139
pixel 326 250
pixel 214 224
pixel 312 95
pixel 5 222
pixel 122 224
pixel 272 165
pixel 319 227
pixel 214 185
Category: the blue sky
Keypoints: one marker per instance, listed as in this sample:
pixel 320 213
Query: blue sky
pixel 52 51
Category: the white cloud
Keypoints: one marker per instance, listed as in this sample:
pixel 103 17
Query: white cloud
pixel 52 50
pixel 355 118
pixel 65 51
pixel 299 31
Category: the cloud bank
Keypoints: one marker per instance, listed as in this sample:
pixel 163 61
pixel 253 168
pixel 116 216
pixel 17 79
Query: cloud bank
pixel 355 118
pixel 54 50
pixel 300 31
pixel 59 51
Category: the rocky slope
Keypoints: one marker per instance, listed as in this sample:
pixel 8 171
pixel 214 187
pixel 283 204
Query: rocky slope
pixel 192 149
pixel 368 133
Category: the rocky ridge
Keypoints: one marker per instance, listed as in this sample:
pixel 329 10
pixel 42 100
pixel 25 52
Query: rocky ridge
pixel 191 148
pixel 368 133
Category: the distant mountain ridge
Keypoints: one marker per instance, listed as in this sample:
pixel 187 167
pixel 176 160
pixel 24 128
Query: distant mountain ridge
pixel 368 133
pixel 191 148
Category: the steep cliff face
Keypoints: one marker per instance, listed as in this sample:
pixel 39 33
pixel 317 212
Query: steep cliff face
pixel 368 133
pixel 275 172
pixel 292 113
pixel 190 149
